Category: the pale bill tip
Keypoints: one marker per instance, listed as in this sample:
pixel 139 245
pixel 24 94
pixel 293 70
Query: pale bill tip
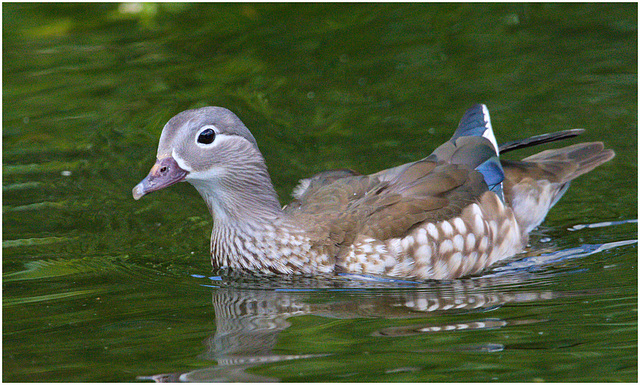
pixel 138 191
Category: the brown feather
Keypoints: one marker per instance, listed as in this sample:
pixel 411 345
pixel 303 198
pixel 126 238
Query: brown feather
pixel 533 185
pixel 382 209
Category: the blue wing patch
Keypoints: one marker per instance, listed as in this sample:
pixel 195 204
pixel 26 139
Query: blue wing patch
pixel 472 123
pixel 493 175
pixel 474 145
pixel 476 122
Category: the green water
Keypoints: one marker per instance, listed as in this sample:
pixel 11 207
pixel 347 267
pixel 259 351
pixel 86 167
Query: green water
pixel 99 287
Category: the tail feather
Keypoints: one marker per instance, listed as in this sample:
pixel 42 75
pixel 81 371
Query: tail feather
pixel 530 186
pixel 533 185
pixel 570 162
pixel 539 139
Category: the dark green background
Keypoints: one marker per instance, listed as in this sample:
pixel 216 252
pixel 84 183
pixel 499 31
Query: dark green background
pixel 98 287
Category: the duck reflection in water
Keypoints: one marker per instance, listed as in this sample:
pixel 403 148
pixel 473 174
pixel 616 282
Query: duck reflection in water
pixel 251 312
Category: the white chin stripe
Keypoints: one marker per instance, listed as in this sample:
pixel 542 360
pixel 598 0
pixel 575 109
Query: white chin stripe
pixel 181 163
pixel 488 134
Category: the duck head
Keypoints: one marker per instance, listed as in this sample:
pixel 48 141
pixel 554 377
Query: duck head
pixel 213 150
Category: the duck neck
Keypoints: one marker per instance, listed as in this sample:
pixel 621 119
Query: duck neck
pixel 250 230
pixel 244 200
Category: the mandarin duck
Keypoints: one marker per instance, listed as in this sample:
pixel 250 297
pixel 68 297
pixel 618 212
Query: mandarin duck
pixel 454 213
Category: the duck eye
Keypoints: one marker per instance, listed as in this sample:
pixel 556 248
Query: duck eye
pixel 207 136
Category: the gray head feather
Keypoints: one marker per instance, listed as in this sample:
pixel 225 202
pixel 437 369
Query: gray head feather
pixel 191 120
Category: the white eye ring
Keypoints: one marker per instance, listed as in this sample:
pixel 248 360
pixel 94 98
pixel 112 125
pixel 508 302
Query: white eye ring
pixel 206 136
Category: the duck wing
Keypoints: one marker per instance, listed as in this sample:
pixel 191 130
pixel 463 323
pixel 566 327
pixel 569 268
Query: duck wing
pixel 391 202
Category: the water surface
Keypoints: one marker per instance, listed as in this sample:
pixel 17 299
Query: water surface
pixel 98 287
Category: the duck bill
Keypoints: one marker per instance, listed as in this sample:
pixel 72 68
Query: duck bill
pixel 164 173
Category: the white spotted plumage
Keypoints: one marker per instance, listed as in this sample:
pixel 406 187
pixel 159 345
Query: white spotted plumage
pixel 445 248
